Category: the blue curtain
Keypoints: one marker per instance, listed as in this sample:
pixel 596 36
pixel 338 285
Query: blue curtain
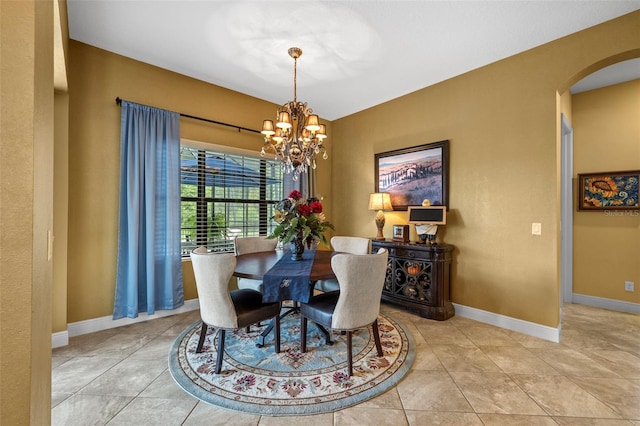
pixel 149 260
pixel 303 184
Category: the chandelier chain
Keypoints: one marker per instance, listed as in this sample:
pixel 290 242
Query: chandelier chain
pixel 295 79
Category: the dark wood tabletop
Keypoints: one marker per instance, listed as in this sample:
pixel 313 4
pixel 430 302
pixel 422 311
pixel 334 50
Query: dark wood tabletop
pixel 255 265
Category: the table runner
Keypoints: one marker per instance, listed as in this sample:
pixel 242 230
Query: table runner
pixel 288 279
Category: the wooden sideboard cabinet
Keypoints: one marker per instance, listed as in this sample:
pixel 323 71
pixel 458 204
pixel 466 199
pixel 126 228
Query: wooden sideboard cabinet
pixel 417 277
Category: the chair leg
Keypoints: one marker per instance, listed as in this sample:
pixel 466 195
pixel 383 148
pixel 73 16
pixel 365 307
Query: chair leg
pixel 376 337
pixel 277 321
pixel 203 334
pixel 349 354
pixel 303 334
pixel 220 351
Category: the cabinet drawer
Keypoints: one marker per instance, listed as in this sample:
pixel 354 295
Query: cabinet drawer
pixel 411 254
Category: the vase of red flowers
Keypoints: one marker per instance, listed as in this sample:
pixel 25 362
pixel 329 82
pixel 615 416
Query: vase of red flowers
pixel 300 222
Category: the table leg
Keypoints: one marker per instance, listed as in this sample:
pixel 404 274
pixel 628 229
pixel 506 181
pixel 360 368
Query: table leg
pixel 267 330
pixel 327 334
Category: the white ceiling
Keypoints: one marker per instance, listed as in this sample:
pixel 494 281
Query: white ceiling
pixel 357 54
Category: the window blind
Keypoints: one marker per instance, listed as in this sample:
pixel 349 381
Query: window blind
pixel 224 196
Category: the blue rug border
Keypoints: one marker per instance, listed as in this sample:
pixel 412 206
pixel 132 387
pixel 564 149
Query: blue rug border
pixel 278 411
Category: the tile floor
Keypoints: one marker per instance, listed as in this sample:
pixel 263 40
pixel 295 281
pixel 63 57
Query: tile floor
pixel 465 373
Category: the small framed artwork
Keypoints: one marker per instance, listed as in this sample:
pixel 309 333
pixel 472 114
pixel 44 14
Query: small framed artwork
pixel 608 191
pixel 401 233
pixel 411 175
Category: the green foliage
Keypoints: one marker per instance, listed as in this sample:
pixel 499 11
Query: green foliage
pixel 218 226
pixel 300 218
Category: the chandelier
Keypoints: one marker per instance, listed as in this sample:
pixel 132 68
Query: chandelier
pixel 297 137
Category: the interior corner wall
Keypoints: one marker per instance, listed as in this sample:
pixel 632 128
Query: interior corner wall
pixel 501 121
pixel 96 78
pixel 606 125
pixel 60 211
pixel 26 210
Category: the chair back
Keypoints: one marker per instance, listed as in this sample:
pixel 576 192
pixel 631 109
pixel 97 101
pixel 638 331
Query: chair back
pixel 246 245
pixel 361 278
pixel 353 245
pixel 213 272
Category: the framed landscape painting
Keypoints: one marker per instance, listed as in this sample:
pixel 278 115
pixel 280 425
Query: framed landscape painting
pixel 411 175
pixel 608 191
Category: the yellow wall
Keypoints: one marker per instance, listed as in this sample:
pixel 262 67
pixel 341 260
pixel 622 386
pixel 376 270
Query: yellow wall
pixel 60 212
pixel 606 247
pixel 96 78
pixel 26 173
pixel 502 123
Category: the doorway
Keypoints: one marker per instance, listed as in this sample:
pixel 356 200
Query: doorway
pixel 566 214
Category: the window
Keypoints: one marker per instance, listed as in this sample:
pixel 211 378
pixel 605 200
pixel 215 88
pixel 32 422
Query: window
pixel 225 195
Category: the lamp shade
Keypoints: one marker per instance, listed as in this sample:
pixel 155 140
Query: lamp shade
pixel 278 135
pixel 380 201
pixel 322 132
pixel 267 127
pixel 313 124
pixel 284 120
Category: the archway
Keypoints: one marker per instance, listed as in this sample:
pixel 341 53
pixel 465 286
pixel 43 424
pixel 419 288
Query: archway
pixel 609 74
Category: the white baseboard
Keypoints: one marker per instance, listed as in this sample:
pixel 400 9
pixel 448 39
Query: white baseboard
pixel 59 339
pixel 514 324
pixel 104 323
pixel 601 302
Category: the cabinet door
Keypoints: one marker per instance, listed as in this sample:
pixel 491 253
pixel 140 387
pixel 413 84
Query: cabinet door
pixel 413 280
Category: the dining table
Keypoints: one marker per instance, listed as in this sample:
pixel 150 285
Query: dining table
pixel 256 265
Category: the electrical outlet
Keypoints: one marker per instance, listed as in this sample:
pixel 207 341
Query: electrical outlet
pixel 536 229
pixel 629 286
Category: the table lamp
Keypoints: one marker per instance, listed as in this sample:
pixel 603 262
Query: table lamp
pixel 380 201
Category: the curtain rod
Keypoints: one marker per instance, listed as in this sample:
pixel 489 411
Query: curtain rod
pixel 119 102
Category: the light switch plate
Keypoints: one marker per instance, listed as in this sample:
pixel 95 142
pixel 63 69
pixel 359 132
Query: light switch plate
pixel 536 228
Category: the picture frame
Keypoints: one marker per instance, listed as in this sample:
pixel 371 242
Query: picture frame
pixel 608 191
pixel 401 233
pixel 411 175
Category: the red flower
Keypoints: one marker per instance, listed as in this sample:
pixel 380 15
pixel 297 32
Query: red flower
pixel 295 194
pixel 304 210
pixel 316 207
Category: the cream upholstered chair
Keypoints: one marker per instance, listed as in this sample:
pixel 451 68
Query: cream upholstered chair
pixel 246 245
pixel 225 310
pixel 356 305
pixel 353 245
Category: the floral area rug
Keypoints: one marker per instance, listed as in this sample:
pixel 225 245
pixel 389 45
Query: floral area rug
pixel 259 381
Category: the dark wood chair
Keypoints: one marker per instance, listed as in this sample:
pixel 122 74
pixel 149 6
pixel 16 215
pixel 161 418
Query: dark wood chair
pixel 224 309
pixel 344 244
pixel 355 306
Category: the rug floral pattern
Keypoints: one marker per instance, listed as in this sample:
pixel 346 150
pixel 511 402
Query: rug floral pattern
pixel 256 380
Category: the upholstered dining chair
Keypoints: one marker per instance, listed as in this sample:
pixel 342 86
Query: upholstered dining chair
pixel 246 245
pixel 344 244
pixel 356 305
pixel 224 309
